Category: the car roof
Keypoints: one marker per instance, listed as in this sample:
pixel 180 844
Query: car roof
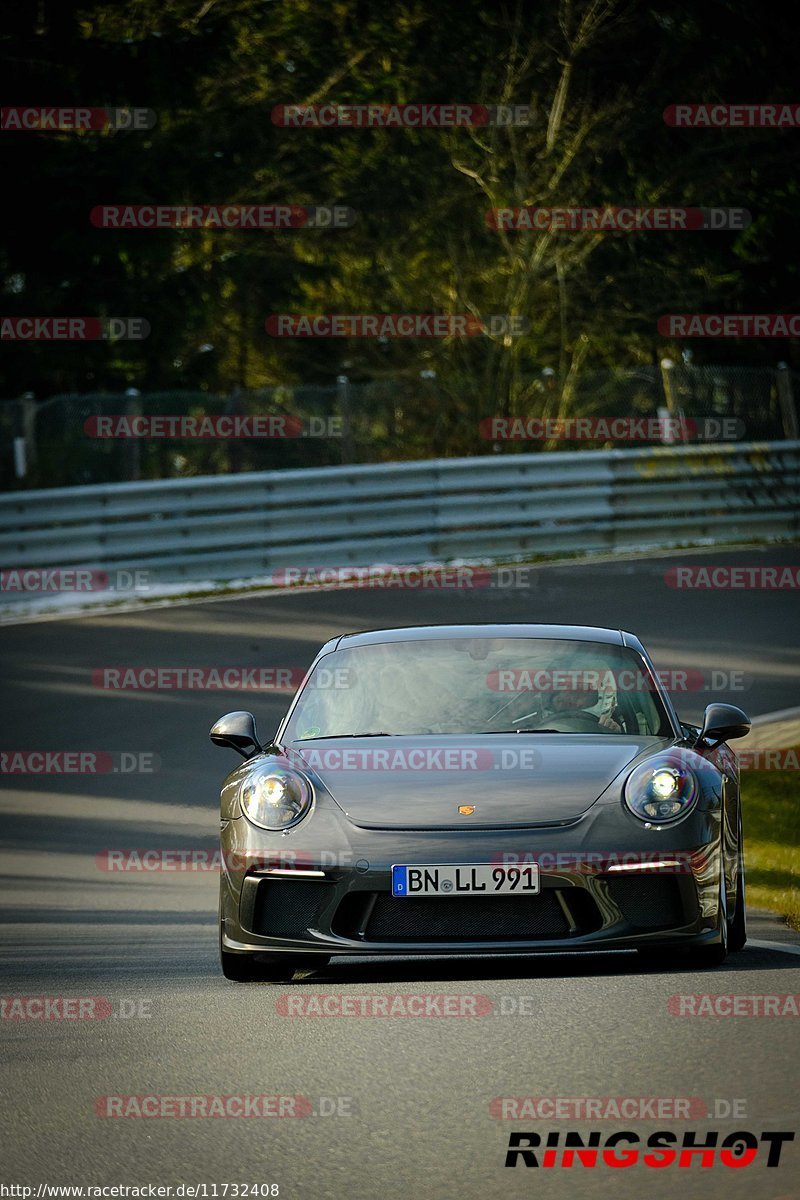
pixel 411 633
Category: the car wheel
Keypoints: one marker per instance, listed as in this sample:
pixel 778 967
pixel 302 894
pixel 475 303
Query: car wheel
pixel 737 932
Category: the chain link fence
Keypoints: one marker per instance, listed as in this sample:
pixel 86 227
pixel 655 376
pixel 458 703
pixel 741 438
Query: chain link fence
pixel 61 441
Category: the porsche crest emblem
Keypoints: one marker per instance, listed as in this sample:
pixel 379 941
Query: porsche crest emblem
pixel 466 810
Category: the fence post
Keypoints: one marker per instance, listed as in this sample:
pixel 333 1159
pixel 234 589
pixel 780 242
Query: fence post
pixel 791 428
pixel 666 382
pixel 24 434
pixel 133 448
pixel 343 399
pixel 233 408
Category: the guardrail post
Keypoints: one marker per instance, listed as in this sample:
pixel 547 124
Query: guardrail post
pixel 791 426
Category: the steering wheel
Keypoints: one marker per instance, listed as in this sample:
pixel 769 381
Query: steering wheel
pixel 578 721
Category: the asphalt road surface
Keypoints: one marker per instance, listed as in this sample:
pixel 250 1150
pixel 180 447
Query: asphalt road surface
pixel 389 1106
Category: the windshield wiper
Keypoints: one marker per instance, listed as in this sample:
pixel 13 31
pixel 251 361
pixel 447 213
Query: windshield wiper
pixel 491 732
pixel 327 736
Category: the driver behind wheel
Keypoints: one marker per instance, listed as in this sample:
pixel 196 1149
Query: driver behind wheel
pixel 584 709
pixel 585 703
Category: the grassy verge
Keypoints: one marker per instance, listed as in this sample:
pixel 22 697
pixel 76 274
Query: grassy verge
pixel 771 814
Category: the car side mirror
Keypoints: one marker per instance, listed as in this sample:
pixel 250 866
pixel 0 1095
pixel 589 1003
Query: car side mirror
pixel 237 730
pixel 721 722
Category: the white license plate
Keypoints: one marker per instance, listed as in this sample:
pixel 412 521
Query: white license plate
pixel 464 879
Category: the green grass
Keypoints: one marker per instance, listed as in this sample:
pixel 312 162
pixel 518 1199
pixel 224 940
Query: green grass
pixel 771 814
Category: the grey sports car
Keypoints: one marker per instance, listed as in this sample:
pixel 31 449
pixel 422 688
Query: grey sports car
pixel 480 789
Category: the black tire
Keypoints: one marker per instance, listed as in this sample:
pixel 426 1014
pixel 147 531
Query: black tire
pixel 737 929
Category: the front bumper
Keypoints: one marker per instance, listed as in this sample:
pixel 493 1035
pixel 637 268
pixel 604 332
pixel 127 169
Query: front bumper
pixel 283 895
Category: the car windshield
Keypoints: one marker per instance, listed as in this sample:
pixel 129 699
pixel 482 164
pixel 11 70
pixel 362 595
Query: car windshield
pixel 478 686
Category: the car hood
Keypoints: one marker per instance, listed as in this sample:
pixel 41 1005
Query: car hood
pixel 508 780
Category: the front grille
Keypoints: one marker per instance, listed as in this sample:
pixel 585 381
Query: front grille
pixel 477 919
pixel 288 907
pixel 650 902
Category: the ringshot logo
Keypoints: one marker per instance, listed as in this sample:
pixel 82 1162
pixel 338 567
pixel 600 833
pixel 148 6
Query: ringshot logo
pixel 662 1149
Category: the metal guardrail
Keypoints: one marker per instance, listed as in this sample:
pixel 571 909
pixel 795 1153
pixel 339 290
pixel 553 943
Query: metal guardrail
pixel 225 527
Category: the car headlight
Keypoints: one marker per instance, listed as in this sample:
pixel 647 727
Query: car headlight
pixel 660 791
pixel 275 797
